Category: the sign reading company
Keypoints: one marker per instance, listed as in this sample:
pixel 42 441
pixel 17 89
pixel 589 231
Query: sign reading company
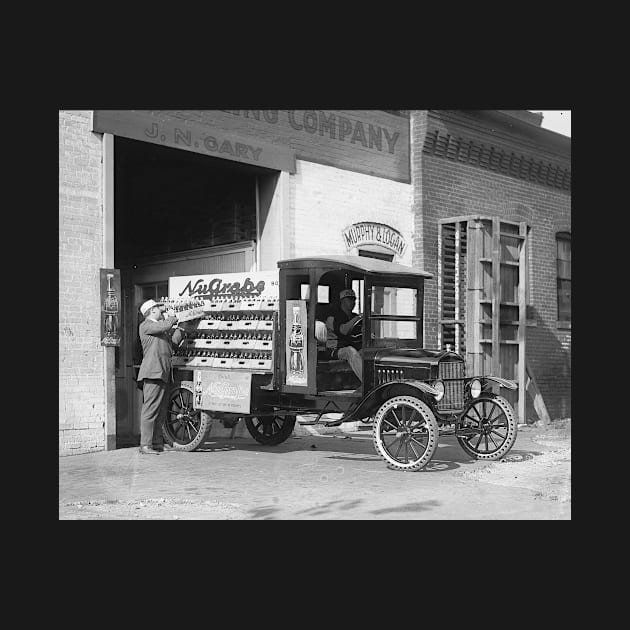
pixel 230 286
pixel 374 142
pixel 370 233
pixel 193 137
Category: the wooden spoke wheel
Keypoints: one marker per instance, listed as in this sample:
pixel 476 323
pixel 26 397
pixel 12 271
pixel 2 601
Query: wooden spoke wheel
pixel 270 430
pixel 490 426
pixel 185 428
pixel 405 432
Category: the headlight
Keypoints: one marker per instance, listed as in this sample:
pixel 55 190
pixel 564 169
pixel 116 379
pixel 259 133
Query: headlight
pixel 475 388
pixel 439 385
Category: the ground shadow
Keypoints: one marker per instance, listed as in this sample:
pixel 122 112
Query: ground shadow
pixel 421 506
pixel 214 447
pixel 318 510
pixel 311 512
pixel 263 512
pixel 520 456
pixel 448 457
pixel 314 443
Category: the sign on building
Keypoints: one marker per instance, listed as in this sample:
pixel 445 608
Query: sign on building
pixel 370 233
pixel 110 307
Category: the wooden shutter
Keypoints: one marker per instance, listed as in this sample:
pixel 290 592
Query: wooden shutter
pixel 482 288
pixel 452 264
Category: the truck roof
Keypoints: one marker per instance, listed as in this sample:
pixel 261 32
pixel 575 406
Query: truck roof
pixel 362 264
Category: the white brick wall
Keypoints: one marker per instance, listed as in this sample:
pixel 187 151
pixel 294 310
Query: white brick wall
pixel 324 200
pixel 81 386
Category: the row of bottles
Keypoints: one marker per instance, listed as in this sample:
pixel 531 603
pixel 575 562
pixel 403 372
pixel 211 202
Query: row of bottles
pixel 191 353
pixel 234 335
pixel 182 304
pixel 242 304
pixel 236 317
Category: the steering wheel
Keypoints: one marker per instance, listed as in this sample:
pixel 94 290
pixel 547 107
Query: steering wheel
pixel 356 333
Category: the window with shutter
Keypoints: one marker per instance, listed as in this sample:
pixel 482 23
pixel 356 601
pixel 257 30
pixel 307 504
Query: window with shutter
pixel 563 241
pixel 452 286
pixel 482 296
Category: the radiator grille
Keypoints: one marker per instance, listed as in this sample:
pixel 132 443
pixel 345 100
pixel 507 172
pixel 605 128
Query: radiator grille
pixel 452 373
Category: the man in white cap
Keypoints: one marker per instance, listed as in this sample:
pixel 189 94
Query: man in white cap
pixel 155 373
pixel 342 322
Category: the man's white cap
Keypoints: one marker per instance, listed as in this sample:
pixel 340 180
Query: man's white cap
pixel 148 305
pixel 347 293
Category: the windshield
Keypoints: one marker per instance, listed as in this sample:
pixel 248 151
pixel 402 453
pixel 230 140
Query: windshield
pixel 394 314
pixel 394 301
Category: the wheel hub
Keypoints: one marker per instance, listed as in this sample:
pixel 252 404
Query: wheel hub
pixel 185 416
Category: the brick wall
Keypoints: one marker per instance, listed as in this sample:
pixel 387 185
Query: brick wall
pixel 81 385
pixel 444 188
pixel 325 200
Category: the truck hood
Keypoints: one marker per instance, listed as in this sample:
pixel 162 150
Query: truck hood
pixel 412 356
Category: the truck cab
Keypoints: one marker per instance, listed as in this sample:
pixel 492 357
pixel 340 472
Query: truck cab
pixel 389 297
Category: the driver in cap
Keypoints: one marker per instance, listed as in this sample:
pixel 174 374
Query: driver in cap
pixel 342 322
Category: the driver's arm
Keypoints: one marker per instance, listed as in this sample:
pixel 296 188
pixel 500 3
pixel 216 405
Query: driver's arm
pixel 344 329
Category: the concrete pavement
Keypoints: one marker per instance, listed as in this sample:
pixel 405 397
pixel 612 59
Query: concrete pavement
pixel 331 475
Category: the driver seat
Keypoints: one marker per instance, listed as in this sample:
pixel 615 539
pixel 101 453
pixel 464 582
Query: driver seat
pixel 333 374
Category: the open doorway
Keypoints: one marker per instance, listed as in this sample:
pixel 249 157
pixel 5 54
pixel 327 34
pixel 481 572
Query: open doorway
pixel 176 213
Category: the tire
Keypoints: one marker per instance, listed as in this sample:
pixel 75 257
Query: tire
pixel 492 421
pixel 408 424
pixel 270 430
pixel 185 428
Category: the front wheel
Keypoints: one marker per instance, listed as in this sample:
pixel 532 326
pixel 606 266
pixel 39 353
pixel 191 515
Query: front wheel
pixel 270 430
pixel 405 432
pixel 491 428
pixel 185 428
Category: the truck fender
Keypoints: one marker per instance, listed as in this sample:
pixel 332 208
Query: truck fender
pixel 377 397
pixel 503 382
pixel 187 385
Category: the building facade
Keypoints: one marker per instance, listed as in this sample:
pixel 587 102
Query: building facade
pixel 146 195
pixel 479 172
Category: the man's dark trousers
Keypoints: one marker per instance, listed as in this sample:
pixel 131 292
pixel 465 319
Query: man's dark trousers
pixel 154 410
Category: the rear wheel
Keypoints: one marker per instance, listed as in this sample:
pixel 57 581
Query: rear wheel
pixel 491 428
pixel 185 428
pixel 270 430
pixel 405 432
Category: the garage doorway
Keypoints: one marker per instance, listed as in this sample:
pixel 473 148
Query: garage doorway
pixel 175 213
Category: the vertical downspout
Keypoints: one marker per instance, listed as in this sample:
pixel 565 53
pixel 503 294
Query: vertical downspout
pixel 109 376
pixel 257 253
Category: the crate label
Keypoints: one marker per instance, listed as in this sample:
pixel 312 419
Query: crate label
pixel 222 390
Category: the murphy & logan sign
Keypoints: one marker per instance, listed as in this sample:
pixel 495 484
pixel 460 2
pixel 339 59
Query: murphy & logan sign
pixel 366 141
pixel 369 233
